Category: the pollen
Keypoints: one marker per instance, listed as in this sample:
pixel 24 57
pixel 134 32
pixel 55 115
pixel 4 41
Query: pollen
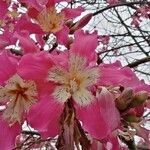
pixel 20 95
pixel 75 81
pixel 50 20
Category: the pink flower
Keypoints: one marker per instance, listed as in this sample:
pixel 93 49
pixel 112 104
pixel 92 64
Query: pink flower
pixel 50 21
pixel 18 92
pixel 74 77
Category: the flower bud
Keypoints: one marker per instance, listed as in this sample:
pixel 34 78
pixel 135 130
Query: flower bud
pixel 81 23
pixel 139 99
pixel 132 118
pixel 123 101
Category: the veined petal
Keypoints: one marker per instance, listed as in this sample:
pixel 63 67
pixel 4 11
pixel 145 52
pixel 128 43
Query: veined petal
pixel 108 107
pixel 33 3
pixel 3 9
pixel 62 35
pixel 114 74
pixel 83 97
pixel 87 45
pixel 26 43
pixel 35 66
pixel 24 24
pixel 44 116
pixel 61 93
pixel 91 76
pixel 96 116
pixel 71 13
pixel 7 67
pixel 76 64
pixel 8 134
pixel 58 75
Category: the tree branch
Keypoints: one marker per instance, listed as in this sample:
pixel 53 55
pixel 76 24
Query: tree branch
pixel 138 62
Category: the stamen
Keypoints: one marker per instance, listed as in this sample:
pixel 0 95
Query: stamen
pixel 50 20
pixel 75 81
pixel 20 95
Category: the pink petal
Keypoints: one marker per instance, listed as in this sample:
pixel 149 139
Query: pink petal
pixel 40 40
pixel 51 3
pixel 114 74
pixel 87 45
pixel 4 41
pixel 60 58
pixel 62 35
pixel 3 9
pixel 72 13
pixel 24 23
pixel 33 13
pixel 42 2
pixel 7 67
pixel 112 142
pixel 96 117
pixel 35 66
pixel 8 135
pixel 26 43
pixel 7 39
pixel 45 116
pixel 33 3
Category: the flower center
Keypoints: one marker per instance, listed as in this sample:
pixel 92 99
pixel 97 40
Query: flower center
pixel 73 86
pixel 20 95
pixel 75 81
pixel 50 20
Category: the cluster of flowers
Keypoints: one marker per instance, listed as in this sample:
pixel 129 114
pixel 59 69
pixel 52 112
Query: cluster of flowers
pixel 65 93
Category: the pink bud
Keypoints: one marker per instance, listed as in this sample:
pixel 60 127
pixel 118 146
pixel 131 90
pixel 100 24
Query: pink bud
pixel 81 23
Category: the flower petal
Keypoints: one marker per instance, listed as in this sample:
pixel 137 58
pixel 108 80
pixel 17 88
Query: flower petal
pixel 8 134
pixel 45 115
pixel 96 116
pixel 35 66
pixel 24 23
pixel 87 45
pixel 26 43
pixel 61 93
pixel 7 67
pixel 33 3
pixel 114 74
pixel 62 35
pixel 72 13
pixel 3 9
pixel 83 97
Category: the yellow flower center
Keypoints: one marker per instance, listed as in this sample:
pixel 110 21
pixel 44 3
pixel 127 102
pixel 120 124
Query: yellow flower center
pixel 75 81
pixel 50 20
pixel 20 95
